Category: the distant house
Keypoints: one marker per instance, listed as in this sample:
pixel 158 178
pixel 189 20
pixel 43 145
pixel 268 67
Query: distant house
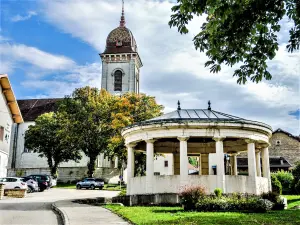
pixel 284 144
pixel 276 163
pixel 9 114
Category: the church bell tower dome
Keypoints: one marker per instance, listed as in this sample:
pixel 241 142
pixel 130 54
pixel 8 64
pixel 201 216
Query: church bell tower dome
pixel 120 40
pixel 121 62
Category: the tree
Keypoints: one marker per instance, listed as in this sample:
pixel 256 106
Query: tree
pixel 88 118
pixel 239 32
pixel 45 138
pixel 130 108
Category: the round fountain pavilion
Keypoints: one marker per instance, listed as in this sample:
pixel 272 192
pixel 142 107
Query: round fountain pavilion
pixel 203 133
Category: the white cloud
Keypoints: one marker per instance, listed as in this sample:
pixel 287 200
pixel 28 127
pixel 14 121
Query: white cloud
pixel 173 69
pixel 18 18
pixel 65 83
pixel 34 56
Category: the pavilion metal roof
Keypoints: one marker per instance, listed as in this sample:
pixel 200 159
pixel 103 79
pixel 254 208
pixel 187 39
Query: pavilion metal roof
pixel 197 115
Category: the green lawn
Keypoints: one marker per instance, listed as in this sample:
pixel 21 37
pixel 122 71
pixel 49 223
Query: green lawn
pixel 176 215
pixel 107 187
pixel 293 200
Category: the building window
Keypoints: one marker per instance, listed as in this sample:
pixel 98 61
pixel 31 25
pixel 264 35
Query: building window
pixel 1 133
pixel 118 80
pixel 278 142
pixel 26 150
pixel 156 173
pixel 166 163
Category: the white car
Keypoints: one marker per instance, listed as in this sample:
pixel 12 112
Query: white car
pixel 13 183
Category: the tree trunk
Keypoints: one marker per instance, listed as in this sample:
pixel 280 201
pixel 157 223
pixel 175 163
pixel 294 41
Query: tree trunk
pixel 53 171
pixel 91 166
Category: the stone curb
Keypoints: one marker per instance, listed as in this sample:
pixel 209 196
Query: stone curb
pixel 62 214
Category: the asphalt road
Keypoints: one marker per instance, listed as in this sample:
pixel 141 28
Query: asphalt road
pixel 36 209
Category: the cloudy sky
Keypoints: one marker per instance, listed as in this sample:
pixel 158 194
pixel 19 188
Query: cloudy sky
pixel 48 48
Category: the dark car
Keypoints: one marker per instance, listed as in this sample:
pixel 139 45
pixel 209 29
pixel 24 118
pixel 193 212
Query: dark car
pixel 44 181
pixel 91 183
pixel 33 186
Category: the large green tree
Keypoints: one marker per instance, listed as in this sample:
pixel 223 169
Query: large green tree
pixel 131 108
pixel 94 120
pixel 242 32
pixel 88 116
pixel 45 138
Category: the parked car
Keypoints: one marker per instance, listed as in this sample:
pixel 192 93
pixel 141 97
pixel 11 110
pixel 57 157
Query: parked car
pixel 33 186
pixel 53 182
pixel 91 183
pixel 42 180
pixel 13 183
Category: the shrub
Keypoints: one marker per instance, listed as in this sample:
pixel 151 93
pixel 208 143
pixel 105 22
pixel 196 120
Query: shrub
pixel 276 185
pixel 271 196
pixel 218 192
pixel 275 198
pixel 122 193
pixel 296 171
pixel 245 203
pixel 297 188
pixel 191 195
pixel 286 179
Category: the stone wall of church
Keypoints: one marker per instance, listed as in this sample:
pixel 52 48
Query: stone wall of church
pixel 25 158
pixel 285 146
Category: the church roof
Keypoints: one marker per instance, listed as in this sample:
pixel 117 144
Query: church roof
pixel 33 108
pixel 120 40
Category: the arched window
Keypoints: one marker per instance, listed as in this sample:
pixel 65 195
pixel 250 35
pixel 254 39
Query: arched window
pixel 118 80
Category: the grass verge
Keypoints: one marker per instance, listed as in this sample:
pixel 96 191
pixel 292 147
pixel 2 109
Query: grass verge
pixel 176 215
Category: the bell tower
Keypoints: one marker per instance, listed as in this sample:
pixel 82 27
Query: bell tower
pixel 121 62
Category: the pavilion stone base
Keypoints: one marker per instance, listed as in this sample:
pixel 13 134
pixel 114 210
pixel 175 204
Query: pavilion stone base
pixel 165 199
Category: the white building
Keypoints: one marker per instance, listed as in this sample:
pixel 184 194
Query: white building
pixel 9 114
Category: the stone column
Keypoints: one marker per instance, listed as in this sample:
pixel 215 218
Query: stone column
pixel 251 158
pixel 266 166
pixel 200 165
pixel 149 165
pixel 116 162
pixel 233 160
pixel 258 166
pixel 130 165
pixel 220 163
pixel 183 156
pixel 130 161
pixel 252 174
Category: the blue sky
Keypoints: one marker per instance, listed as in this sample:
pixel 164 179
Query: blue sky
pixel 48 48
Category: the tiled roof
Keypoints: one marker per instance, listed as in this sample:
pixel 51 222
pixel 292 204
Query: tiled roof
pixel 275 161
pixel 287 133
pixel 32 108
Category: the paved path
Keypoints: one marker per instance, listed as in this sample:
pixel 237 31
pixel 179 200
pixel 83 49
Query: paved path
pixel 36 207
pixel 82 214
